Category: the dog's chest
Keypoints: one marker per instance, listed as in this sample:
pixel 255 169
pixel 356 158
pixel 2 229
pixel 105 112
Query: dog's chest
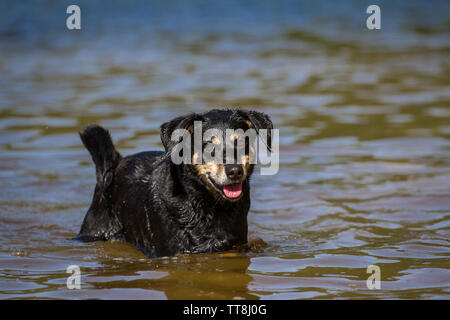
pixel 213 230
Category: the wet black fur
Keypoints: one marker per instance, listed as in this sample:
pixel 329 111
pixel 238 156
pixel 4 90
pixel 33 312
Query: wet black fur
pixel 159 207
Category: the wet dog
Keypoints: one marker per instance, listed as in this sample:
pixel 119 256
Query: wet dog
pixel 164 208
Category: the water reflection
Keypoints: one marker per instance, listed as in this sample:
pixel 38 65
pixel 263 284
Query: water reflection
pixel 204 276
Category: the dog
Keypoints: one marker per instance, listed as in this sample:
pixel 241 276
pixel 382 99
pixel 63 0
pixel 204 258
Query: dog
pixel 164 208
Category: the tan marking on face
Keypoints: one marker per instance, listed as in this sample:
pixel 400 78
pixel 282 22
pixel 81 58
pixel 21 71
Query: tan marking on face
pixel 245 162
pixel 251 154
pixel 234 137
pixel 194 158
pixel 215 140
pixel 211 171
pixel 191 128
pixel 249 123
pixel 208 168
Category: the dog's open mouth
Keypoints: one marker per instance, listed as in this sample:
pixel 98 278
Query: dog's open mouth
pixel 232 190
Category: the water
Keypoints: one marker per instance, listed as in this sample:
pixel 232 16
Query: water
pixel 364 130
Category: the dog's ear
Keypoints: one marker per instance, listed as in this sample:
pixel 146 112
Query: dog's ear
pixel 183 122
pixel 259 120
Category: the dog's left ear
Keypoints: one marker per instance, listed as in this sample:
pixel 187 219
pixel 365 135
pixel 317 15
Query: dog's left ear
pixel 183 122
pixel 259 120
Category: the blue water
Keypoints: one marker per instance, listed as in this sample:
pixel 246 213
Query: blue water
pixel 364 119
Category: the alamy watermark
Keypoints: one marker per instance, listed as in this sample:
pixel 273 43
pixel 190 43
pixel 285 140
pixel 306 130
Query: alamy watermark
pixel 74 280
pixel 74 20
pixel 374 280
pixel 374 20
pixel 233 146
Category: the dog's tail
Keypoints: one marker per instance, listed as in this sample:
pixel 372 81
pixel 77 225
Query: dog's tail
pixel 105 156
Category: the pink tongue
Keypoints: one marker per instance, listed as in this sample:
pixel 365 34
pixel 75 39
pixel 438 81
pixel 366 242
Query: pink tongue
pixel 233 190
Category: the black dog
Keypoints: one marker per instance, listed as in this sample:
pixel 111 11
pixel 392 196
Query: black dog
pixel 163 208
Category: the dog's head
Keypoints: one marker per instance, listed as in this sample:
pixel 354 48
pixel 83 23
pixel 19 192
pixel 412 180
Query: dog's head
pixel 221 149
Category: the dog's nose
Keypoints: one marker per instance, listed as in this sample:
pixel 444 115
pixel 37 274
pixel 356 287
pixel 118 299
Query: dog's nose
pixel 234 171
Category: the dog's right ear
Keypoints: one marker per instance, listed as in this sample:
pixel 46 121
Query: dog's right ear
pixel 259 120
pixel 183 122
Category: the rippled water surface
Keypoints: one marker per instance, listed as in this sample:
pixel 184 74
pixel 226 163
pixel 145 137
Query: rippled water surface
pixel 364 132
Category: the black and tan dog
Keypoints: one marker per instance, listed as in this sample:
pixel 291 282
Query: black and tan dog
pixel 163 208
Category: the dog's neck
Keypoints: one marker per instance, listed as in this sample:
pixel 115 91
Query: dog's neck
pixel 211 221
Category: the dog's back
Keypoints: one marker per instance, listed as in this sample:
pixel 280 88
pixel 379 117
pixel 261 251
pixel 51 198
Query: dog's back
pixel 100 222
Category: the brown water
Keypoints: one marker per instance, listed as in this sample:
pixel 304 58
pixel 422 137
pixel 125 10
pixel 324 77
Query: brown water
pixel 365 166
